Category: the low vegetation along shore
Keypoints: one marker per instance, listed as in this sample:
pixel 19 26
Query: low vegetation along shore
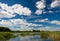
pixel 54 35
pixel 43 34
pixel 6 34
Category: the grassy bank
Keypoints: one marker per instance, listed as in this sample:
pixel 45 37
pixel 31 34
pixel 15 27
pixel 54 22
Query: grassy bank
pixel 6 35
pixel 54 35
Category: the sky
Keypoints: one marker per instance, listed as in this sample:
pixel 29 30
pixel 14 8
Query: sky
pixel 30 14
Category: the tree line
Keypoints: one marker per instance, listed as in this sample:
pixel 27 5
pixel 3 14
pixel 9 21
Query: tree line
pixel 4 29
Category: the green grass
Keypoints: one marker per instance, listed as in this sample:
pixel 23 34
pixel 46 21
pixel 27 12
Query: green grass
pixel 6 35
pixel 54 35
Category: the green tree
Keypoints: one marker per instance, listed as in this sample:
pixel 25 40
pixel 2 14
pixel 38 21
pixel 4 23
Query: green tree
pixel 4 29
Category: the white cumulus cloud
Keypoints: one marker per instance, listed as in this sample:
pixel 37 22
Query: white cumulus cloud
pixel 55 22
pixel 38 12
pixel 19 24
pixel 10 11
pixel 40 5
pixel 55 3
pixel 4 14
pixel 42 20
pixel 48 28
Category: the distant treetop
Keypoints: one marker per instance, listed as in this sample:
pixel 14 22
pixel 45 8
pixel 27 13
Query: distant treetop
pixel 4 29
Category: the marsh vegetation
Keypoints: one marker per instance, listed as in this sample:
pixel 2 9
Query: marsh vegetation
pixel 6 35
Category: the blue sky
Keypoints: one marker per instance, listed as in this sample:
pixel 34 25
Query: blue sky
pixel 30 14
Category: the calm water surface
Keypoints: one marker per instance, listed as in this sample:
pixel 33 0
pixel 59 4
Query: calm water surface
pixel 29 38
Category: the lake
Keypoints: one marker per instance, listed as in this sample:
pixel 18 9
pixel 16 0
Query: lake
pixel 29 38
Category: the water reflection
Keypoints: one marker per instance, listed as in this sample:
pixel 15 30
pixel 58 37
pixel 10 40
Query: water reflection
pixel 29 38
